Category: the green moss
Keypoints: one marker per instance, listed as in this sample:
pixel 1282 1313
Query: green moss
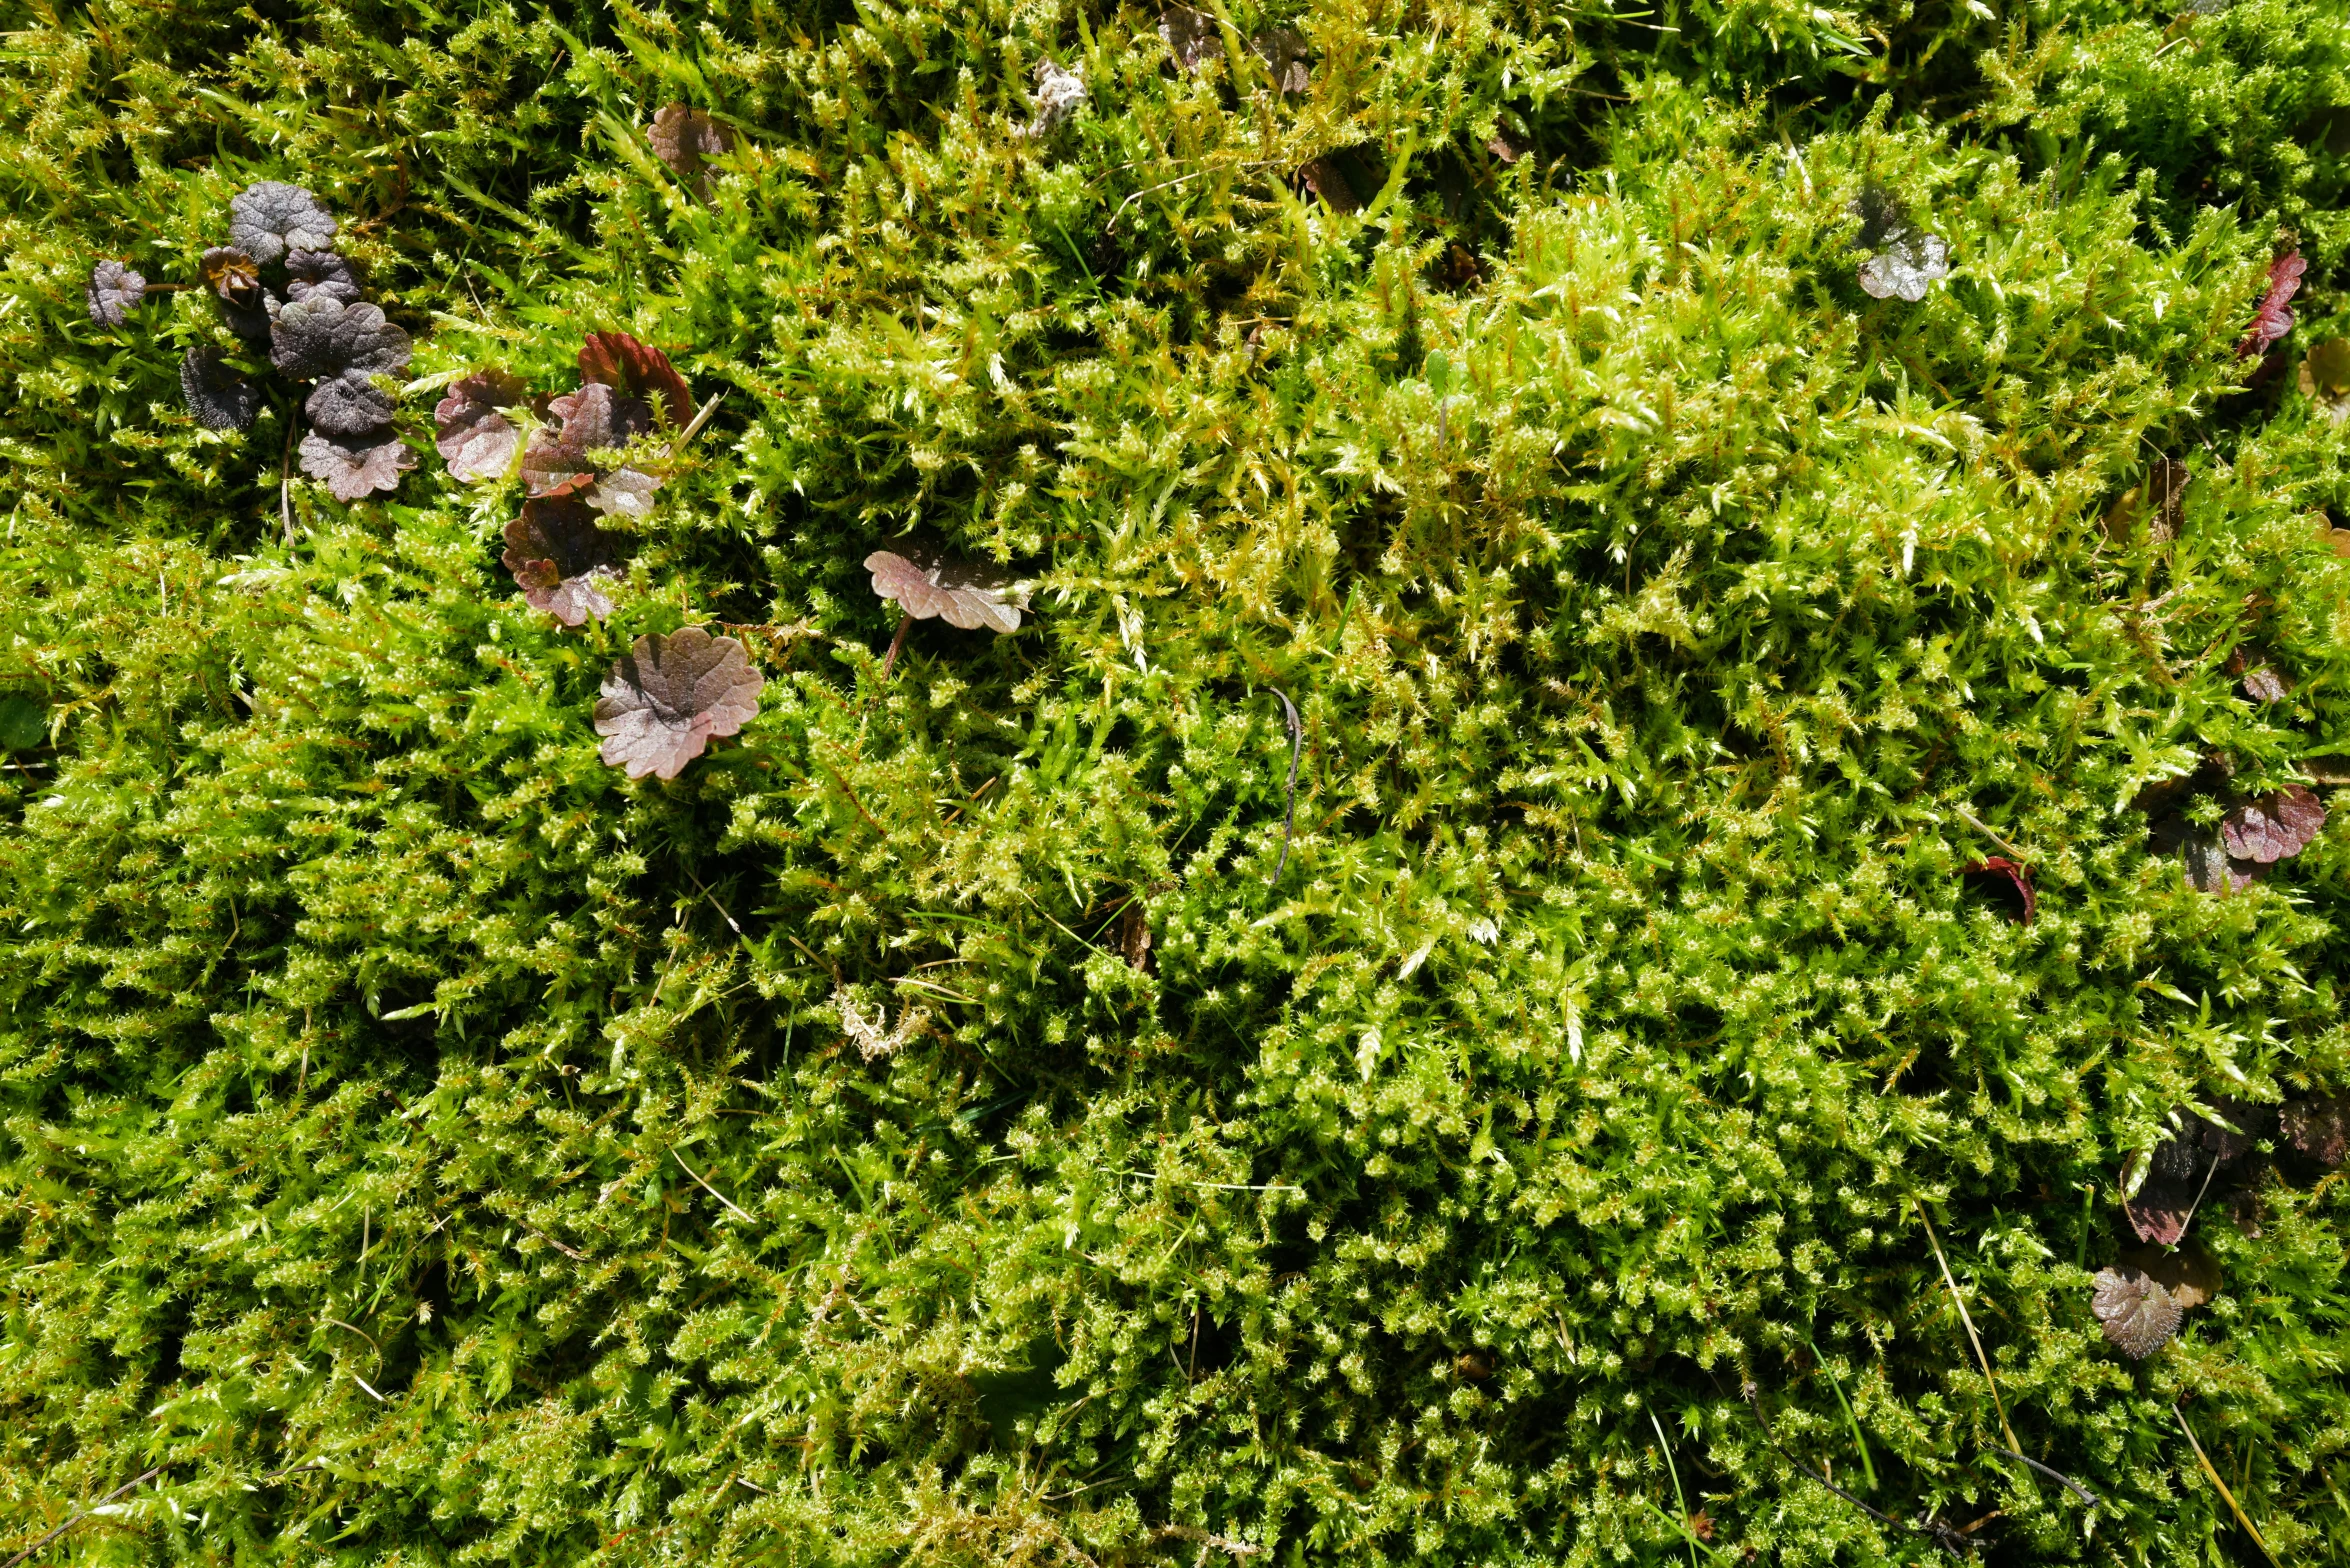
pixel 421 1145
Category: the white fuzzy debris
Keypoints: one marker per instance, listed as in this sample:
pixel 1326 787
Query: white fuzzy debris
pixel 1058 93
pixel 873 1036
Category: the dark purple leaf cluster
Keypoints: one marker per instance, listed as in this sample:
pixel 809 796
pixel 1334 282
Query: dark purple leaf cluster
pixel 574 464
pixel 316 327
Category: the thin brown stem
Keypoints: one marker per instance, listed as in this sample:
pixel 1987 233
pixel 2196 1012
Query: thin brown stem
pixel 285 485
pixel 895 643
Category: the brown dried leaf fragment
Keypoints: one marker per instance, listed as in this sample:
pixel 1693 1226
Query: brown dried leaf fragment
pixel 685 138
pixel 1327 180
pixel 593 419
pixel 668 696
pixel 2137 1314
pixel 560 559
pixel 2274 827
pixel 2190 1274
pixel 470 427
pixel 926 583
pixel 638 372
pixel 354 470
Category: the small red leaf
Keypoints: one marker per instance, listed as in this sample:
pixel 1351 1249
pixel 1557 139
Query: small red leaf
pixel 2274 318
pixel 637 370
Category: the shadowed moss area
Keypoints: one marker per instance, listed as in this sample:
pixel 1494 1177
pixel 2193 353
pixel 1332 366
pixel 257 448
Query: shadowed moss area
pixel 1760 748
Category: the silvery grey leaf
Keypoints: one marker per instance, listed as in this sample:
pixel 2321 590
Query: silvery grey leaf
pixel 1907 264
pixel 270 218
pixel 112 290
pixel 626 492
pixel 1058 95
pixel 349 406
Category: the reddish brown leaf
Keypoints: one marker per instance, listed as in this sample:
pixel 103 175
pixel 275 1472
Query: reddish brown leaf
pixel 2274 318
pixel 668 696
pixel 637 371
pixel 2274 827
pixel 595 418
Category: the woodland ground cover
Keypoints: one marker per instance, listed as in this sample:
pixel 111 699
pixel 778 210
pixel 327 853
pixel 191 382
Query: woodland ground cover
pixel 1785 971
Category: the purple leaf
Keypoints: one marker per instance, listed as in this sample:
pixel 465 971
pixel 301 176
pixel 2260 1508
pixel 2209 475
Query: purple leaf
pixel 593 419
pixel 112 290
pixel 2274 827
pixel 354 470
pixel 311 272
pixel 667 698
pixel 2137 1314
pixel 560 559
pixel 349 406
pixel 475 438
pixel 268 219
pixel 218 397
pixel 320 336
pixel 926 583
pixel 2159 1210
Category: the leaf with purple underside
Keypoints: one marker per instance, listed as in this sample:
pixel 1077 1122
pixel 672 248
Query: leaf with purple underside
pixel 669 696
pixel 471 430
pixel 354 470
